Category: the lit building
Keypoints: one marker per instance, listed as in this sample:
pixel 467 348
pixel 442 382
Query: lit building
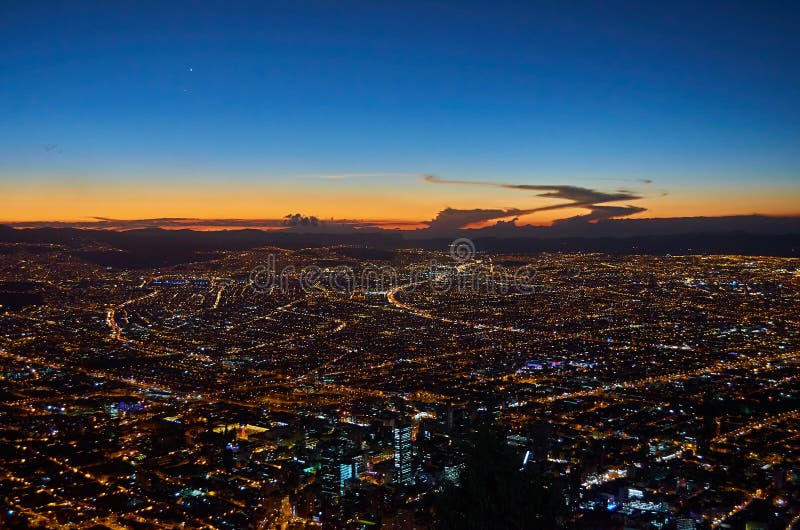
pixel 403 454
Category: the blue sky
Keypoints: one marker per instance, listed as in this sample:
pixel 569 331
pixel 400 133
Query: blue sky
pixel 689 95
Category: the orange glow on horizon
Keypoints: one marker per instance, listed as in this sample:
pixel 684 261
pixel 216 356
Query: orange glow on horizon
pixel 400 207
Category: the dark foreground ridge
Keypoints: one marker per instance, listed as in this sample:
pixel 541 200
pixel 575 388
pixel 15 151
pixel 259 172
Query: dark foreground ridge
pixel 156 247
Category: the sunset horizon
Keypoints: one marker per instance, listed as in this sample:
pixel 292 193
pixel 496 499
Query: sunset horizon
pixel 210 114
pixel 334 200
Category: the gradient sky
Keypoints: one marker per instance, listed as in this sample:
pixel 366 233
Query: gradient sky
pixel 199 109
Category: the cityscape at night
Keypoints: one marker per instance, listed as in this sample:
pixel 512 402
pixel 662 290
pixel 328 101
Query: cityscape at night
pixel 425 265
pixel 341 386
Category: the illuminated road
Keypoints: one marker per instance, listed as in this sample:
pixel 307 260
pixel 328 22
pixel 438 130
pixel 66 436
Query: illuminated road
pixel 391 296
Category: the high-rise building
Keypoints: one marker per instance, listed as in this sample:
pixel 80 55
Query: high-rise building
pixel 403 454
pixel 338 469
pixel 452 473
pixel 345 476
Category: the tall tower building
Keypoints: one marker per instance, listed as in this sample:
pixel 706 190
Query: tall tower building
pixel 403 454
pixel 338 469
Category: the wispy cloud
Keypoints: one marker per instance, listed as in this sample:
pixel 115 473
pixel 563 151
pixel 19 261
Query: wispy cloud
pixel 342 176
pixel 576 197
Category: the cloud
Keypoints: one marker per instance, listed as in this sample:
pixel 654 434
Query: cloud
pixel 577 197
pixel 300 220
pixel 453 219
pixel 601 213
pixel 52 148
pixel 342 176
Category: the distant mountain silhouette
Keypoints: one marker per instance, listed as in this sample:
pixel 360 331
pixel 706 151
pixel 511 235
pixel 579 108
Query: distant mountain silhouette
pixel 149 247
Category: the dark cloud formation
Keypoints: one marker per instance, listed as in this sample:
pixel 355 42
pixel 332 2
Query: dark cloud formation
pixel 300 220
pixel 600 213
pixel 453 219
pixel 577 196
